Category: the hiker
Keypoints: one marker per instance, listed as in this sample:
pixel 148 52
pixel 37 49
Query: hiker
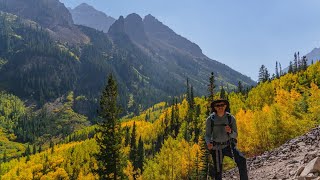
pixel 221 135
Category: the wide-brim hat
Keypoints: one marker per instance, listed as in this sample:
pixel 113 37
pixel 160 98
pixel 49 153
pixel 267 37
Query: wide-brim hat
pixel 219 101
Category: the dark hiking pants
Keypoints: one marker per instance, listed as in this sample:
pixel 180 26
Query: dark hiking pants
pixel 238 157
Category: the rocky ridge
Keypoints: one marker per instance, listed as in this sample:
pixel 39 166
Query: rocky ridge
pixel 298 158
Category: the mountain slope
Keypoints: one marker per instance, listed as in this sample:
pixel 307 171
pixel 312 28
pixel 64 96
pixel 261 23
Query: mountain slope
pixel 86 15
pixel 162 44
pixel 50 14
pixel 314 55
pixel 177 55
pixel 39 65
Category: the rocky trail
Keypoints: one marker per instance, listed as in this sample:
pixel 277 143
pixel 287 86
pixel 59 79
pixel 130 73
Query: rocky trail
pixel 298 158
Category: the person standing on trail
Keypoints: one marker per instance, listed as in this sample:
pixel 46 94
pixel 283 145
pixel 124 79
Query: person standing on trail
pixel 221 135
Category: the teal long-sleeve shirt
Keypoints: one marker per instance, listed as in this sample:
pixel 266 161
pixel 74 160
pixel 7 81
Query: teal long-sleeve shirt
pixel 219 133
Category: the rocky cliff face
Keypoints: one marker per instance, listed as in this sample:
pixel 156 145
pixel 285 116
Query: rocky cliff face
pixel 299 159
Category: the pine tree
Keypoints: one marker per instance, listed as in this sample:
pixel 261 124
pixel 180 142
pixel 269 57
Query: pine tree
pixel 34 151
pixel 266 75
pixel 262 74
pixel 295 63
pixel 192 103
pixel 277 75
pixel 166 125
pixel 222 93
pixel 290 67
pixel 28 151
pixel 211 88
pixel 304 63
pixel 109 157
pixel 133 147
pixel 127 136
pixel 172 120
pixel 188 92
pixel 140 154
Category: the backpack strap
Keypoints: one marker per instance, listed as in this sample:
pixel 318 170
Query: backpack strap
pixel 229 119
pixel 212 123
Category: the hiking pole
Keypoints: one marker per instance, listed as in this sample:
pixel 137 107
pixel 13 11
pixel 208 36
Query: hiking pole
pixel 230 145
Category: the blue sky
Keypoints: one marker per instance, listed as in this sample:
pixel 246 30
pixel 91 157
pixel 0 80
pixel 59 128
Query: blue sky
pixel 241 34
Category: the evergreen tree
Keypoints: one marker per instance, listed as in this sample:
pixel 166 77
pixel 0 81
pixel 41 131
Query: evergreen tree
pixel 127 136
pixel 166 125
pixel 223 93
pixel 240 87
pixel 140 154
pixel 295 63
pixel 304 63
pixel 133 146
pixel 262 74
pixel 280 69
pixel 277 75
pixel 290 67
pixel 192 103
pixel 28 151
pixel 34 151
pixel 266 75
pixel 172 120
pixel 188 92
pixel 211 87
pixel 109 136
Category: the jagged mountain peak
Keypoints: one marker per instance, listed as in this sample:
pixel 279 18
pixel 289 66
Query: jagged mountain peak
pixel 117 27
pixel 87 15
pixel 134 16
pixel 134 27
pixel 84 6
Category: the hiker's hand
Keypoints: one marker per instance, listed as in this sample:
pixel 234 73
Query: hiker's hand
pixel 210 146
pixel 228 129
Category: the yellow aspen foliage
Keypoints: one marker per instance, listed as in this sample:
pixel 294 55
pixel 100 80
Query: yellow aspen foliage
pixel 246 130
pixel 237 102
pixel 263 124
pixel 131 173
pixel 260 96
pixel 314 102
pixel 288 81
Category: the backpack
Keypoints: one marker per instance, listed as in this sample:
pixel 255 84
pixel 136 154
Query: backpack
pixel 229 123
